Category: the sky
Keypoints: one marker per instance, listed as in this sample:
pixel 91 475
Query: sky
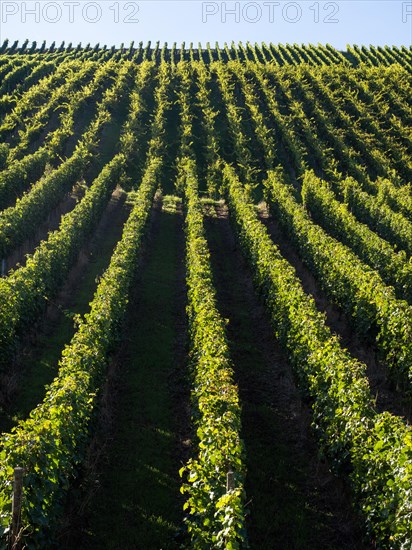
pixel 113 22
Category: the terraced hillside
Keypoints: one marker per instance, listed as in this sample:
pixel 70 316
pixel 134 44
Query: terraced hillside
pixel 206 297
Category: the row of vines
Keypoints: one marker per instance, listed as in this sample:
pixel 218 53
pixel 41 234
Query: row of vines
pixel 325 138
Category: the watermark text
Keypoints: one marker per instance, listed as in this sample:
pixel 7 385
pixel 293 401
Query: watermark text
pixel 69 12
pixel 269 12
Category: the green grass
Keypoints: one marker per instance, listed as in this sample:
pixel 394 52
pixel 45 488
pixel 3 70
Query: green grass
pixel 285 508
pixel 39 365
pixel 138 503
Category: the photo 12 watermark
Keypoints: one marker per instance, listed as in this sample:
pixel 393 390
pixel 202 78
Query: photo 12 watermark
pixel 69 12
pixel 306 20
pixel 305 11
pixel 407 13
pixel 270 12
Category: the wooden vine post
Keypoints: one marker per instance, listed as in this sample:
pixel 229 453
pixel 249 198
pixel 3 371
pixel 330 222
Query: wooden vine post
pixel 230 481
pixel 16 507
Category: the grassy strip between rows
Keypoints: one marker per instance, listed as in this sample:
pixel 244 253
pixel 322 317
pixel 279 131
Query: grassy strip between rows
pixel 11 80
pixel 19 221
pixel 51 442
pixel 17 173
pixel 390 225
pixel 335 217
pixel 36 88
pixel 215 478
pixel 60 100
pixel 375 450
pixel 145 437
pixel 398 199
pixel 38 366
pixel 357 288
pixel 21 173
pixel 25 291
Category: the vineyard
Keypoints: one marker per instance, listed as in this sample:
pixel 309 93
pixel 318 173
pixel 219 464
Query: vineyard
pixel 205 297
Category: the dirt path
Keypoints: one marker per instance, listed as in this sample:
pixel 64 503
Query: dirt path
pixel 136 503
pixel 23 388
pixel 294 501
pixel 387 398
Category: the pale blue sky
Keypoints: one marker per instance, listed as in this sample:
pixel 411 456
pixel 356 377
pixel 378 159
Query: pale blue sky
pixel 112 22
